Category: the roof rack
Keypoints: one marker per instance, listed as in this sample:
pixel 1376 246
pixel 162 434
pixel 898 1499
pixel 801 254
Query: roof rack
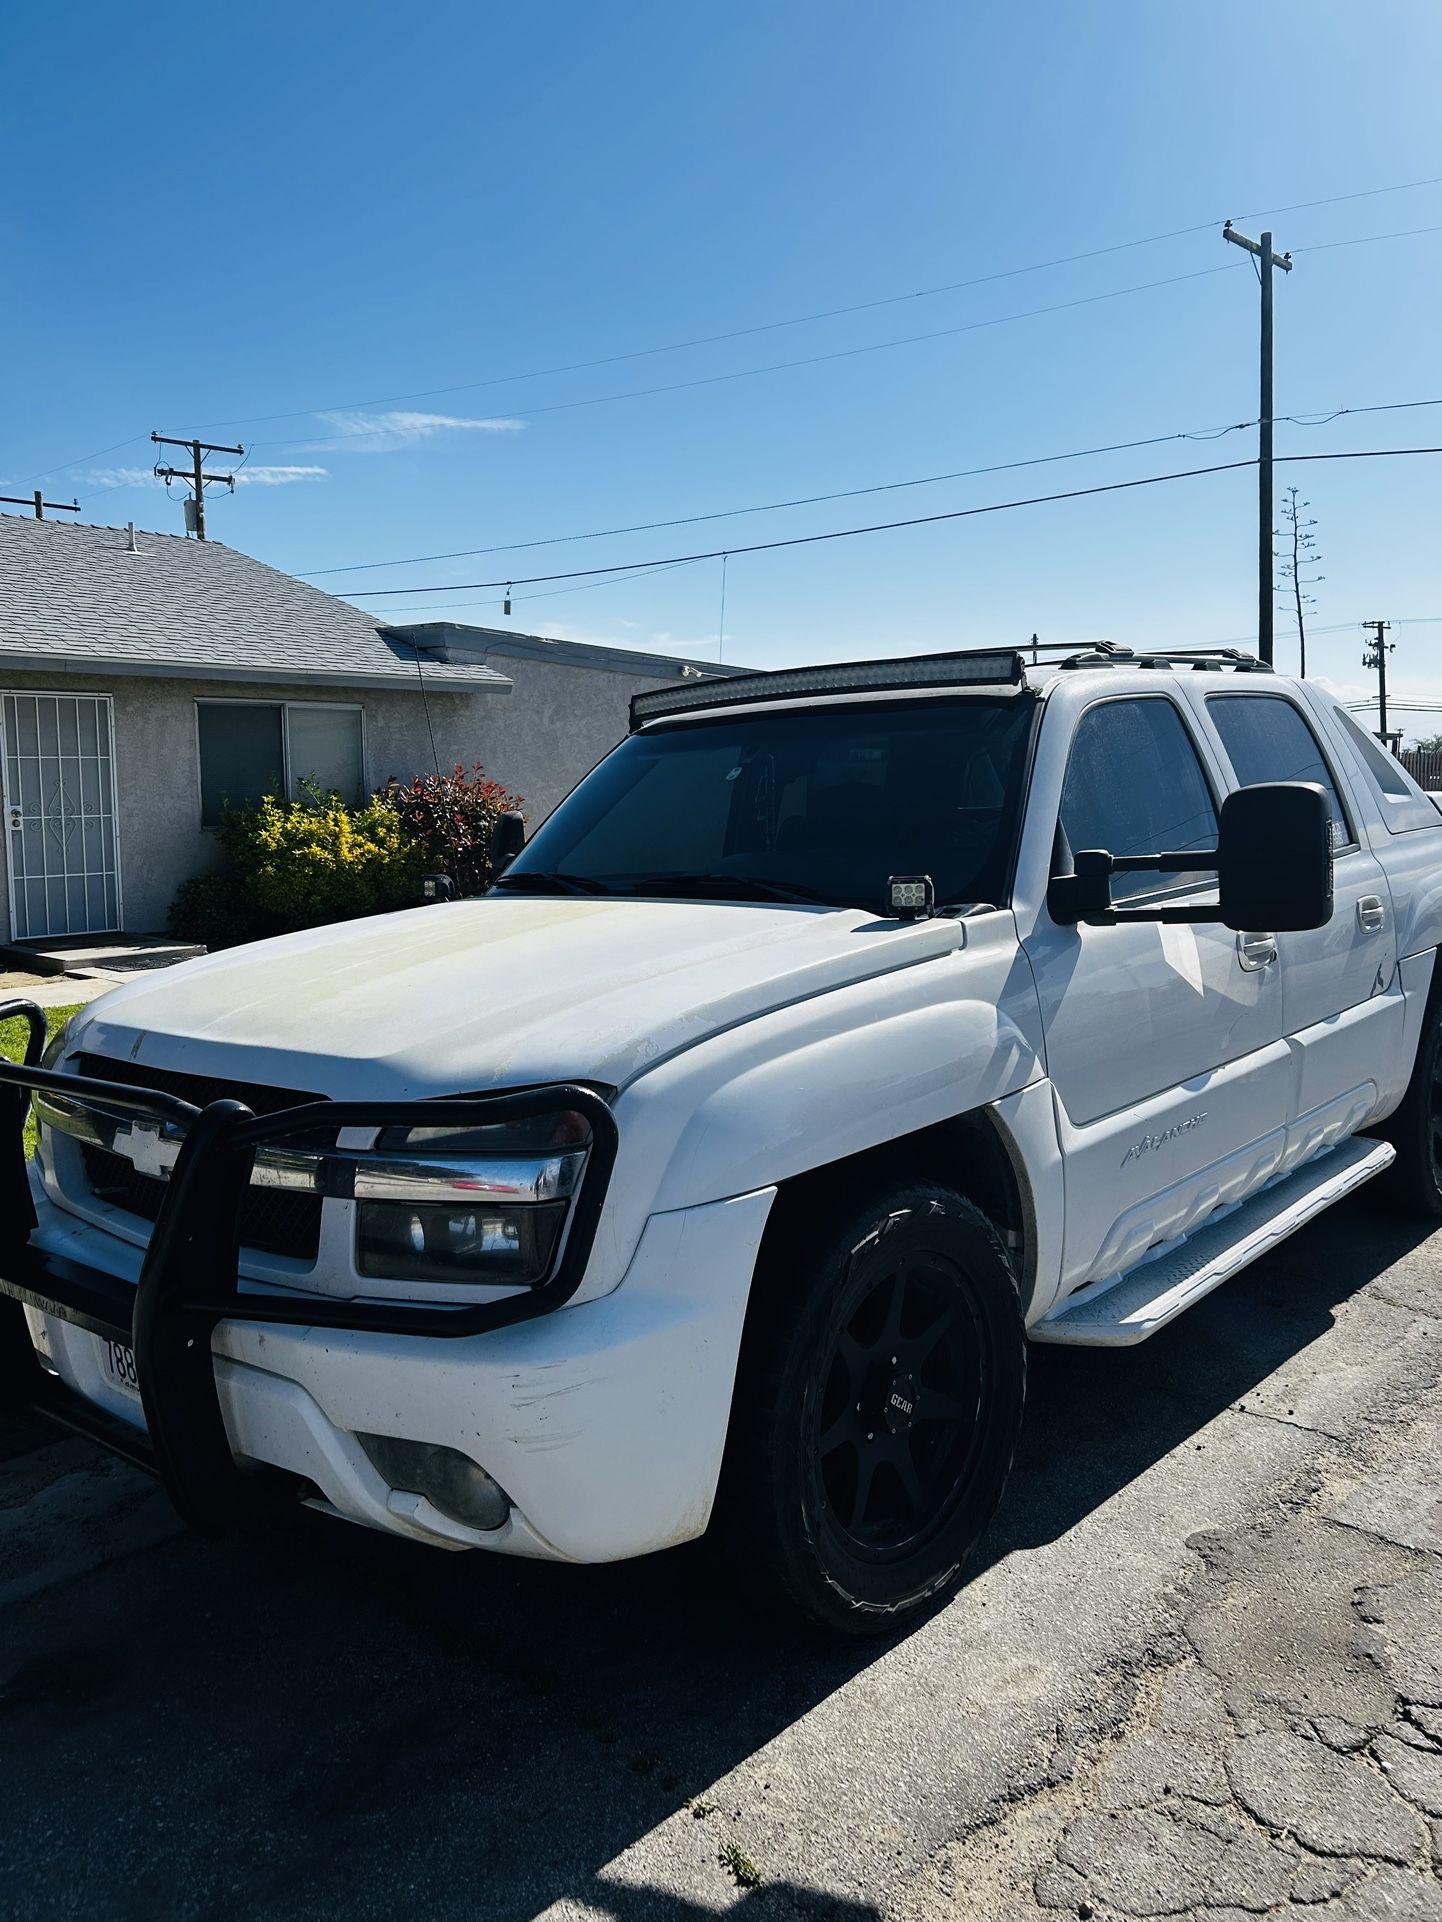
pixel 993 667
pixel 1205 660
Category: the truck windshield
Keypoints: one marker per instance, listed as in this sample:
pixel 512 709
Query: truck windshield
pixel 806 804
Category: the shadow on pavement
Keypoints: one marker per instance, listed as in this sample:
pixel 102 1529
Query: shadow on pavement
pixel 317 1722
pixel 1097 1418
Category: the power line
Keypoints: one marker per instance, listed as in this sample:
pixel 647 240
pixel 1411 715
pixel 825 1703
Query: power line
pixel 1365 240
pixel 884 527
pixel 81 459
pixel 1383 407
pixel 828 313
pixel 555 593
pixel 1361 453
pixel 322 439
pixel 1336 627
pixel 738 333
pixel 852 493
pixel 773 507
pixel 836 534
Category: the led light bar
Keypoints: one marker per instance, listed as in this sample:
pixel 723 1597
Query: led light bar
pixel 993 667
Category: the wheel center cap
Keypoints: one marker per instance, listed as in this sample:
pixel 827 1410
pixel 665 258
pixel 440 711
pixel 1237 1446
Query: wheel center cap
pixel 899 1408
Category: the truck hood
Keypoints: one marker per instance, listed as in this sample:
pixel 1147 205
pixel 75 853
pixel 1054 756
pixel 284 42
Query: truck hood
pixel 493 993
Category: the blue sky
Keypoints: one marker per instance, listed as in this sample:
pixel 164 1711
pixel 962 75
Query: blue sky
pixel 216 216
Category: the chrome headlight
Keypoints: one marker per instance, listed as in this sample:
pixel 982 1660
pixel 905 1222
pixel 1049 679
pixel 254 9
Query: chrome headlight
pixel 484 1204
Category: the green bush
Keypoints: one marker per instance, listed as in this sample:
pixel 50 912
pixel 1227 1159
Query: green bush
pixel 213 910
pixel 306 865
pixel 299 864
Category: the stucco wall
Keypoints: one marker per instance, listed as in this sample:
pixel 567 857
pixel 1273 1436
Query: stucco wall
pixel 539 740
pixel 559 721
pixel 157 770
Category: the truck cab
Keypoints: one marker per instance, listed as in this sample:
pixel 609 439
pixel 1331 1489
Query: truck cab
pixel 845 1031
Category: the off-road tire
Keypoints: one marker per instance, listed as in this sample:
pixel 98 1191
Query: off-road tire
pixel 787 1504
pixel 1413 1184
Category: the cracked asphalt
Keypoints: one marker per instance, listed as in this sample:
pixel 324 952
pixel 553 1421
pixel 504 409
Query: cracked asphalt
pixel 1198 1674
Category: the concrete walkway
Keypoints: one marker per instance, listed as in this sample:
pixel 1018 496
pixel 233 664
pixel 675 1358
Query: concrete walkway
pixel 92 968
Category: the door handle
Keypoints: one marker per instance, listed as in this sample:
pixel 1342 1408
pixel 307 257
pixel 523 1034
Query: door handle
pixel 1371 915
pixel 1256 951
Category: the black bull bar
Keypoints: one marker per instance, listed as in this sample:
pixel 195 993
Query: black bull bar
pixel 189 1276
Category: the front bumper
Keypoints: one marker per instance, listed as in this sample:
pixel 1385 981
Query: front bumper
pixel 605 1424
pixel 235 1377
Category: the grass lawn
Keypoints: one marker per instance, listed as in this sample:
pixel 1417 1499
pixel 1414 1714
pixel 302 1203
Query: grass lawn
pixel 13 1035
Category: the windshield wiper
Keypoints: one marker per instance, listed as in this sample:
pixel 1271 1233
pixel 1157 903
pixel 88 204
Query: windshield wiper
pixel 730 887
pixel 544 883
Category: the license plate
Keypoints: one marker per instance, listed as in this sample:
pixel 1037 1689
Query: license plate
pixel 118 1365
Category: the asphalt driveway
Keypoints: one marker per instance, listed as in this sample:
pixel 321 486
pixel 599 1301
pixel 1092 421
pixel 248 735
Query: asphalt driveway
pixel 1218 1571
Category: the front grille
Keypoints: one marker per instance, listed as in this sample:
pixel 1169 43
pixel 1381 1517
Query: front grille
pixel 272 1221
pixel 198 1089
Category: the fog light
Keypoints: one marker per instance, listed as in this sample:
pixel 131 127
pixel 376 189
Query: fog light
pixel 449 1480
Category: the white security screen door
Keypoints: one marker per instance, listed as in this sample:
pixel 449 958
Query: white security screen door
pixel 60 814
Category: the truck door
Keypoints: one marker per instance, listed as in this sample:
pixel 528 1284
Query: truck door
pixel 1342 1007
pixel 1163 1042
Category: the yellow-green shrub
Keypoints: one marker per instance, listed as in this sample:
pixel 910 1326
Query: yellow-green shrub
pixel 304 865
pixel 299 864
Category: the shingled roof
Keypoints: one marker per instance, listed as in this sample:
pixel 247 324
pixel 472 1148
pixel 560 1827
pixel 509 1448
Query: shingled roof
pixel 75 599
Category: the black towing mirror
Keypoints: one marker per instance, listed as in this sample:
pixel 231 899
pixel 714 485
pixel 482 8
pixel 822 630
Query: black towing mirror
pixel 1273 863
pixel 508 837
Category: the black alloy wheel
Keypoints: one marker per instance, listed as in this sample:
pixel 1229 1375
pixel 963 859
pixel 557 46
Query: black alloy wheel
pixel 880 1391
pixel 897 1420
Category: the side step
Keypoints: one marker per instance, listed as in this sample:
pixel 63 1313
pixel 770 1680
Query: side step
pixel 1125 1310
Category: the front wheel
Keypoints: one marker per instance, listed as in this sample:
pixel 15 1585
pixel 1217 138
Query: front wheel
pixel 877 1407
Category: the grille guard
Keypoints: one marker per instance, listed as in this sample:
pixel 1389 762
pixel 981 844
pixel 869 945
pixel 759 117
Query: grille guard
pixel 189 1277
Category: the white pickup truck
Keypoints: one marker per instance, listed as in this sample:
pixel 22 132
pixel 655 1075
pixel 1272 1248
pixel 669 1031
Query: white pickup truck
pixel 845 1030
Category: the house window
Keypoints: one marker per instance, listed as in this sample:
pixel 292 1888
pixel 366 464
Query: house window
pixel 250 749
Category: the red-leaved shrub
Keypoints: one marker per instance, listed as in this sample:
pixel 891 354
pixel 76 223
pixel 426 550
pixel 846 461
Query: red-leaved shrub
pixel 453 817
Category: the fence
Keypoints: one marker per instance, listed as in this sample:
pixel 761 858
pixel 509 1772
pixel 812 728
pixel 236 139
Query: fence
pixel 1425 768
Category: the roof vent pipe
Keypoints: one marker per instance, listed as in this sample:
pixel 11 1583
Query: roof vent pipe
pixel 130 546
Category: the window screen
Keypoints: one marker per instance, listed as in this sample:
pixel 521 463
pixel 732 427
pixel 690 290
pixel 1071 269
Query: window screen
pixel 325 751
pixel 242 756
pixel 1267 739
pixel 1134 785
pixel 251 749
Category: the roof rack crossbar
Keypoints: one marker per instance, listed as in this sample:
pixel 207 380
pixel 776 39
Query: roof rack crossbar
pixel 1106 654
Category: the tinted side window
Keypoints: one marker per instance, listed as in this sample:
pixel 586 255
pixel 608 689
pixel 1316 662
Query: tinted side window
pixel 1134 785
pixel 1267 739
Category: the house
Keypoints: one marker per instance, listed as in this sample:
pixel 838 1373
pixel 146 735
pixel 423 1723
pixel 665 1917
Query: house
pixel 146 680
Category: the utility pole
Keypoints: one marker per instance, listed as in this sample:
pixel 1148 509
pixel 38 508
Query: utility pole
pixel 34 500
pixel 1376 656
pixel 197 477
pixel 1262 249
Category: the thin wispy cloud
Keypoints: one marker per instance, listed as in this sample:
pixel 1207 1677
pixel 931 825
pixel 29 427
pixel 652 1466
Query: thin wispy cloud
pixel 287 476
pixel 358 432
pixel 278 476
